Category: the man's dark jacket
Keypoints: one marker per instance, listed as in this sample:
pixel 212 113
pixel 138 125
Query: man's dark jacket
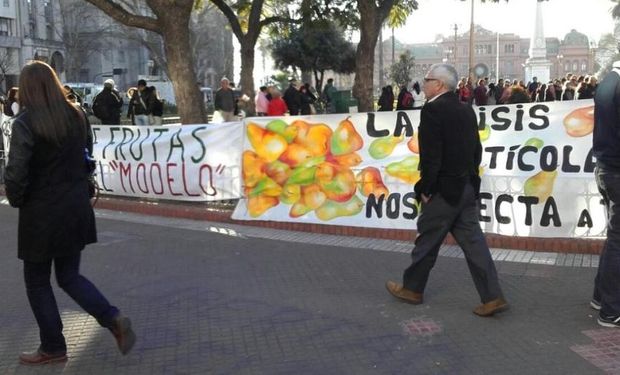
pixel 111 102
pixel 450 149
pixel 292 97
pixel 606 138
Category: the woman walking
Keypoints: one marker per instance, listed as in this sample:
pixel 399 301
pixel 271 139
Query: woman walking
pixel 46 178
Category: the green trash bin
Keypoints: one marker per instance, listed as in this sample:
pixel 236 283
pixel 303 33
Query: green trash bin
pixel 342 101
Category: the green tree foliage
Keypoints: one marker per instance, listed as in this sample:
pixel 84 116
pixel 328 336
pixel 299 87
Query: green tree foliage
pixel 316 47
pixel 400 71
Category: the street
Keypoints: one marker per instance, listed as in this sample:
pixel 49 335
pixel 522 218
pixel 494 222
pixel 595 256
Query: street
pixel 206 298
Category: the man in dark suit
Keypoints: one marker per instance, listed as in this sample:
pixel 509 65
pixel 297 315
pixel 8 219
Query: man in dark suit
pixel 605 142
pixel 450 154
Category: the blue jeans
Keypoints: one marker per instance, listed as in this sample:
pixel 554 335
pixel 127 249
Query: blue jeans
pixel 607 282
pixel 142 120
pixel 43 302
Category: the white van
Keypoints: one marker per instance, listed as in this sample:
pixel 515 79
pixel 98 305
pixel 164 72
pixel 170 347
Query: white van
pixel 86 90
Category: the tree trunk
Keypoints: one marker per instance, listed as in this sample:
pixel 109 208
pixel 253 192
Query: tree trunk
pixel 171 21
pixel 189 99
pixel 365 56
pixel 247 74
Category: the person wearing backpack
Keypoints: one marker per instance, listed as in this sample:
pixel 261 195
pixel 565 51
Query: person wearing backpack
pixel 140 105
pixel 405 99
pixel 107 104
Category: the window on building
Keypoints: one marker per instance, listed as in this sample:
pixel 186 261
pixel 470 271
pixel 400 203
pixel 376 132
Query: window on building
pixel 6 3
pixel 584 66
pixel 121 56
pixel 6 26
pixel 32 19
pixel 48 11
pixel 575 66
pixel 509 48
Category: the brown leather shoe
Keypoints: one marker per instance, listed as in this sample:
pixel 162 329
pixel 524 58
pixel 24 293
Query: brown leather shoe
pixel 124 335
pixel 401 293
pixel 491 307
pixel 38 357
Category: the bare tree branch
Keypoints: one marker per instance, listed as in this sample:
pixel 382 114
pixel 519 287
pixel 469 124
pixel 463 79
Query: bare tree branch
pixel 127 18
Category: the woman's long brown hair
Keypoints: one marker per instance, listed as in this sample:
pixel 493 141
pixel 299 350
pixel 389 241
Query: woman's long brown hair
pixel 41 94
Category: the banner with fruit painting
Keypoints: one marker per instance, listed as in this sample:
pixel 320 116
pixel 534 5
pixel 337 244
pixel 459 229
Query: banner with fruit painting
pixel 359 170
pixel 189 162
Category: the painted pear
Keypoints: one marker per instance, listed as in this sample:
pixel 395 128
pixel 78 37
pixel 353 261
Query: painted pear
pixel 485 133
pixel 302 176
pixel 268 145
pixel 383 147
pixel 312 196
pixel 370 182
pixel 299 209
pixel 347 160
pixel 253 168
pixel 535 142
pixel 290 194
pixel 341 187
pixel 278 171
pixel 314 137
pixel 331 209
pixel 281 127
pixel 405 170
pixel 259 204
pixel 266 187
pixel 295 154
pixel 540 185
pixel 413 144
pixel 345 139
pixel 580 122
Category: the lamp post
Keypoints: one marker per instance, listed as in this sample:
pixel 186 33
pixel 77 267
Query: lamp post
pixel 471 43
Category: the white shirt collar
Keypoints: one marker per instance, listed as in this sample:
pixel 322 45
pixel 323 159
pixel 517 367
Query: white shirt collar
pixel 435 98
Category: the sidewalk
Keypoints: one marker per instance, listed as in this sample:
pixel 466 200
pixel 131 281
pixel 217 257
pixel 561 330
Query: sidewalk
pixel 216 298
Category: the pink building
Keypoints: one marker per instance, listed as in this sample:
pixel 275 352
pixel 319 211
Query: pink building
pixel 573 54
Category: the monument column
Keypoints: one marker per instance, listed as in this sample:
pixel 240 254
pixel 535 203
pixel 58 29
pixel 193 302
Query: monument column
pixel 537 65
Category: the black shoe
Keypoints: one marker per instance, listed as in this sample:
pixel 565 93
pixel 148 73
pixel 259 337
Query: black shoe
pixel 609 321
pixel 596 305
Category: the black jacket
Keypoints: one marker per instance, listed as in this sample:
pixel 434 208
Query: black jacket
pixel 450 149
pixel 606 138
pixel 141 107
pixel 293 100
pixel 49 185
pixel 107 106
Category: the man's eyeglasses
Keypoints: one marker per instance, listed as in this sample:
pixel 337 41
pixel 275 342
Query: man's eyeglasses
pixel 430 79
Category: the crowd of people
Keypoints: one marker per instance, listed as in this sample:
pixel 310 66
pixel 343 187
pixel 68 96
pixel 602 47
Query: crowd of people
pixel 504 91
pixel 297 99
pixel 145 107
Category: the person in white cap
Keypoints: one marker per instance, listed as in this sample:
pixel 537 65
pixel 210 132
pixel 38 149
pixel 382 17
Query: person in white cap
pixel 107 104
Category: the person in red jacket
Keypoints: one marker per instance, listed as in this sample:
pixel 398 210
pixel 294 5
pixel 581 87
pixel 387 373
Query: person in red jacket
pixel 277 106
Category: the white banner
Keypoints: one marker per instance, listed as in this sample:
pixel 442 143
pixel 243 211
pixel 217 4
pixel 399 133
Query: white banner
pixel 359 170
pixel 189 162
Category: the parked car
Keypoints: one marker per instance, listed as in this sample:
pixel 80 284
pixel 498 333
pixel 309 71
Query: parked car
pixel 86 90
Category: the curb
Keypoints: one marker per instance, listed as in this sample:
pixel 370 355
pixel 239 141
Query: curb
pixel 223 212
